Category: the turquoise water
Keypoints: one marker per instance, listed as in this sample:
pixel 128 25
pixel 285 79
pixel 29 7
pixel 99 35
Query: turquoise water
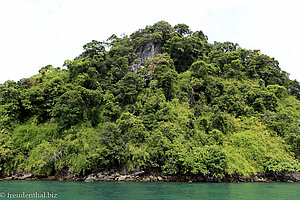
pixel 141 191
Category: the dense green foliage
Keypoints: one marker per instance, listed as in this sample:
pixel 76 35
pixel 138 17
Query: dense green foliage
pixel 194 108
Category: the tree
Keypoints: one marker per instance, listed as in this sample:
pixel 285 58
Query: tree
pixel 193 108
pixel 163 71
pixel 42 158
pixel 185 50
pixel 10 109
pixel 182 29
pixel 129 87
pixel 93 48
pixel 164 27
pixel 200 69
pixel 68 109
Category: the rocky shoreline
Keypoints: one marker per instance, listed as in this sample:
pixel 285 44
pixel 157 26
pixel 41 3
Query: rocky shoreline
pixel 142 176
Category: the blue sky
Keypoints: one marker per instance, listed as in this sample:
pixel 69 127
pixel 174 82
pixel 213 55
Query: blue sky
pixel 35 33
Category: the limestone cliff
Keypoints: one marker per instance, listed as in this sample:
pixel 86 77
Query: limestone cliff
pixel 146 52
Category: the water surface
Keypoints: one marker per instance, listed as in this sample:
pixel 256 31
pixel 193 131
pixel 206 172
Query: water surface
pixel 147 191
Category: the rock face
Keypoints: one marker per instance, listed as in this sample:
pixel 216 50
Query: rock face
pixel 146 52
pixel 90 179
pixel 150 50
pixel 285 176
pixel 142 176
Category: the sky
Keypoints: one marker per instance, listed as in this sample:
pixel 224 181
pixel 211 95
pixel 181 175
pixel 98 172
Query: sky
pixel 36 33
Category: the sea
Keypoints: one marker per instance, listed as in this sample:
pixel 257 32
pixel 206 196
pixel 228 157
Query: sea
pixel 146 190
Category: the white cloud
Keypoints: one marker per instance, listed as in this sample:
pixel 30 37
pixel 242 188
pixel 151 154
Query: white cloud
pixel 37 33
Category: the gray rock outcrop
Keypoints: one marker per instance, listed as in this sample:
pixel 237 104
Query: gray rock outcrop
pixel 146 52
